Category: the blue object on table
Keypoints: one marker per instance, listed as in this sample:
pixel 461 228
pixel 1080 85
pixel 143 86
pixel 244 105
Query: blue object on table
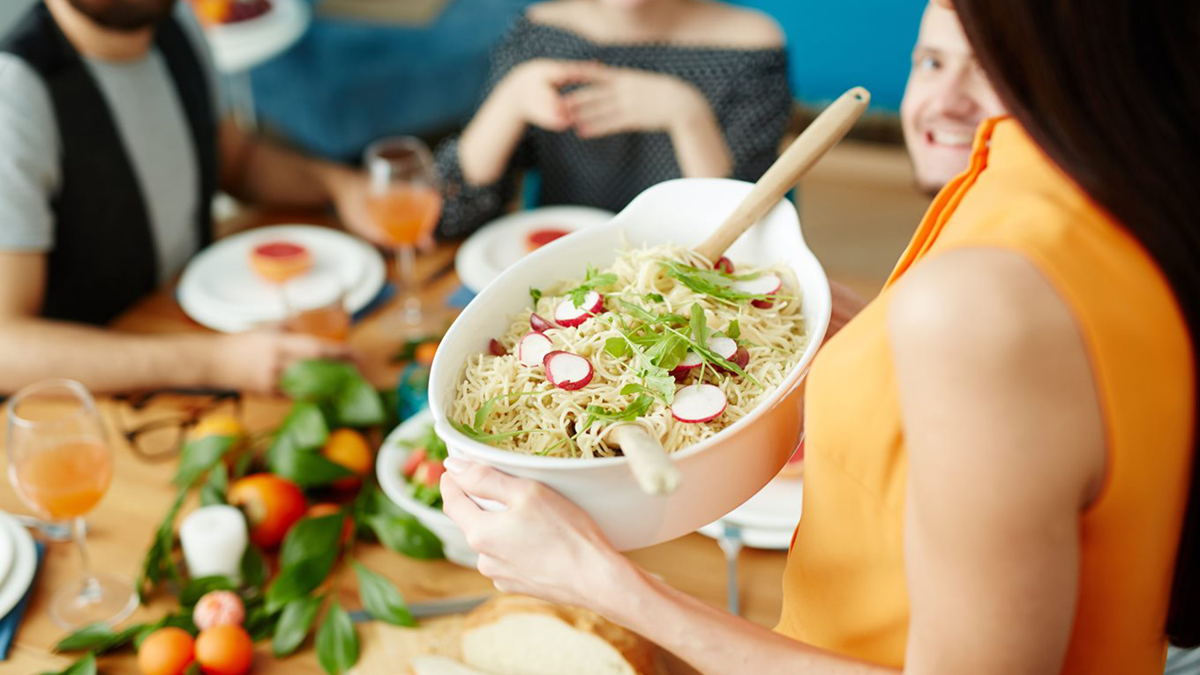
pixel 12 620
pixel 381 298
pixel 461 297
pixel 412 392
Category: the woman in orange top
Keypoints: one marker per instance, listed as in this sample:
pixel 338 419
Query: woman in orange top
pixel 1000 447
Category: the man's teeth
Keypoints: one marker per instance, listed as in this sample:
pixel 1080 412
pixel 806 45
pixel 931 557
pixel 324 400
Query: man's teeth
pixel 951 138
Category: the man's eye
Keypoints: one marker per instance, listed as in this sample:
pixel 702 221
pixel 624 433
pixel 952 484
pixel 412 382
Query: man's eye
pixel 927 64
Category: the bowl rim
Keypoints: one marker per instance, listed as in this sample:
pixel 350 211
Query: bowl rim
pixel 507 458
pixel 391 453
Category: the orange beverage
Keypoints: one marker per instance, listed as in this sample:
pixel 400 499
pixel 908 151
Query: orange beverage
pixel 65 480
pixel 331 322
pixel 405 213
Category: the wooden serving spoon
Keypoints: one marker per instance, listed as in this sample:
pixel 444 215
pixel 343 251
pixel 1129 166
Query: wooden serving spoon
pixel 650 464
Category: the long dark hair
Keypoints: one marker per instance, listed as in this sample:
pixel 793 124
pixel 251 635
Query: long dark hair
pixel 1111 92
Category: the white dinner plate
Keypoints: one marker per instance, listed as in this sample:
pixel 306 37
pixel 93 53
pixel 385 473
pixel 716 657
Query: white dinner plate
pixel 767 519
pixel 6 553
pixel 241 45
pixel 500 243
pixel 24 564
pixel 388 465
pixel 219 289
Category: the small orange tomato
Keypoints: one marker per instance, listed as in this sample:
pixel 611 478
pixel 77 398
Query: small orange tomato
pixel 224 650
pixel 166 651
pixel 425 352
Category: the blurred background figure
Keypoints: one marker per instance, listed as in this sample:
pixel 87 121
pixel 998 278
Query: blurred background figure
pixel 608 97
pixel 948 95
pixel 112 149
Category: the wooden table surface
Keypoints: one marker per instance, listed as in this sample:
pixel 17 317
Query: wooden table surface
pixel 120 528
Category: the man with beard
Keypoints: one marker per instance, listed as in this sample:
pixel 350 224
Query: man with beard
pixel 111 149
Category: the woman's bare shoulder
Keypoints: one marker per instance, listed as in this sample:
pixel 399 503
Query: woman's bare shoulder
pixel 738 27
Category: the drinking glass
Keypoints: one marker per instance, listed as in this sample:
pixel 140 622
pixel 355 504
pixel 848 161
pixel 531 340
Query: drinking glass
pixel 61 465
pixel 405 205
pixel 318 308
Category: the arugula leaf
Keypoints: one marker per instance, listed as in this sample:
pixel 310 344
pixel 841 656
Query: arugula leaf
pixel 381 599
pixel 616 346
pixel 716 359
pixel 294 623
pixel 591 282
pixel 699 324
pixel 734 330
pixel 655 297
pixel 535 294
pixel 638 312
pixel 713 283
pixel 435 447
pixel 337 641
pixel 631 412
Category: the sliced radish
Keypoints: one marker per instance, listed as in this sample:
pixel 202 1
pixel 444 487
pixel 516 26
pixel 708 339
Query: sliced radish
pixel 741 358
pixel 724 265
pixel 532 348
pixel 569 314
pixel 568 371
pixel 496 349
pixel 690 360
pixel 723 346
pixel 698 403
pixel 414 460
pixel 539 324
pixel 767 284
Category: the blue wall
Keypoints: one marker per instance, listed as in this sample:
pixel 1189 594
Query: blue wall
pixel 835 45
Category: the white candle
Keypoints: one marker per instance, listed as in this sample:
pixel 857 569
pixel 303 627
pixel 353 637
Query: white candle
pixel 214 539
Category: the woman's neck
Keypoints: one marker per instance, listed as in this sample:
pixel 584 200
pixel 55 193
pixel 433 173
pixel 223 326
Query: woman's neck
pixel 94 41
pixel 651 20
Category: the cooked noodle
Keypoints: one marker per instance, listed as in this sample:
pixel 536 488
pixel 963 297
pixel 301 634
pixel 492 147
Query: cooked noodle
pixel 775 338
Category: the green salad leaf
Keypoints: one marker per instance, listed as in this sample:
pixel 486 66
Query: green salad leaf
pixel 593 280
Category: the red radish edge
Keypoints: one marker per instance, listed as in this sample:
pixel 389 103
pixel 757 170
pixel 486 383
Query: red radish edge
pixel 568 371
pixel 690 360
pixel 532 349
pixel 725 347
pixel 497 349
pixel 741 358
pixel 569 314
pixel 698 403
pixel 724 265
pixel 539 324
pixel 767 284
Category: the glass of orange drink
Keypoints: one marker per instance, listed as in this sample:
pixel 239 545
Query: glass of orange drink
pixel 404 204
pixel 61 464
pixel 321 312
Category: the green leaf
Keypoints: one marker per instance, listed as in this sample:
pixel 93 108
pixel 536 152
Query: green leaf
pixel 655 297
pixel 357 404
pixel 304 428
pixel 591 282
pixel 86 665
pixel 536 295
pixel 734 330
pixel 199 456
pixel 98 638
pixel 294 622
pixel 404 534
pixel 616 346
pixel 488 438
pixel 303 467
pixel 214 489
pixel 381 599
pixel 713 283
pixel 638 312
pixel 337 641
pixel 312 538
pixel 297 581
pixel 260 623
pixel 629 413
pixel 196 588
pixel 316 379
pixel 699 324
pixel 254 568
pixel 158 562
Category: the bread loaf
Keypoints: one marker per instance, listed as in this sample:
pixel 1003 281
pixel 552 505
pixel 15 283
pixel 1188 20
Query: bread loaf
pixel 518 635
pixel 439 665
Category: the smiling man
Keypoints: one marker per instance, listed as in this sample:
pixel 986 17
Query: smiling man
pixel 948 95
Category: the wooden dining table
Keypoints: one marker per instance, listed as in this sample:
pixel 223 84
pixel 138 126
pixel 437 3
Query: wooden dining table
pixel 120 528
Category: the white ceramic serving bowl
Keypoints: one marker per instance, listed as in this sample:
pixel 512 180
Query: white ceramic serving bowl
pixel 717 474
pixel 388 465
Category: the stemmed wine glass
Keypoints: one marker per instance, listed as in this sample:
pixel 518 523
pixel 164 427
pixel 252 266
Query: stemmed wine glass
pixel 405 205
pixel 61 464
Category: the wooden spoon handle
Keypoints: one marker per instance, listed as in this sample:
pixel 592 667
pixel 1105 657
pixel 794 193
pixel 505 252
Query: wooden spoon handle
pixel 655 473
pixel 824 133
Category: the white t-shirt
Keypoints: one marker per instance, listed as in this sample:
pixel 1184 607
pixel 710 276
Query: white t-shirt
pixel 154 130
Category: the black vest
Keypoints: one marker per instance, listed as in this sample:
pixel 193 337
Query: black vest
pixel 104 258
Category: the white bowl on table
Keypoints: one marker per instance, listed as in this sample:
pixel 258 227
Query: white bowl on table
pixel 719 473
pixel 388 466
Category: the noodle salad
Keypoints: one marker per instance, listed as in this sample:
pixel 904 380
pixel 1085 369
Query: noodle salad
pixel 662 338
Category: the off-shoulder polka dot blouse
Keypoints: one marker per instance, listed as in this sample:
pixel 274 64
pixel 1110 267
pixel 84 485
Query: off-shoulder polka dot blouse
pixel 746 88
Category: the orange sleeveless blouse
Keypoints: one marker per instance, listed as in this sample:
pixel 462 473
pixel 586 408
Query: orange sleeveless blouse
pixel 844 587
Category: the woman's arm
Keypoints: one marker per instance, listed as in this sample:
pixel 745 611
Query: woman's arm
pixel 1006 448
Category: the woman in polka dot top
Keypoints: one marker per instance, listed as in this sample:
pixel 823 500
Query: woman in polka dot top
pixel 609 97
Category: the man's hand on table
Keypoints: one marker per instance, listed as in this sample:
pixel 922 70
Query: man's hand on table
pixel 253 361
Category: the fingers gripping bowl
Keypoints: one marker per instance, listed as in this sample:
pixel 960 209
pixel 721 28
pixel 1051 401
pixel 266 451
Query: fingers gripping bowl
pixel 719 472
